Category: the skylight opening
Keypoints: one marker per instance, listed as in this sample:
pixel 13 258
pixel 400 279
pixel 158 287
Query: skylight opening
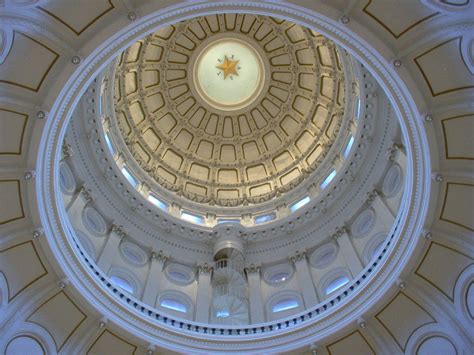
pixel 122 283
pixel 358 108
pixel 336 284
pixel 157 202
pixel 298 204
pixel 265 218
pixel 128 175
pixel 328 179
pixel 108 142
pixel 348 148
pixel 192 218
pixel 285 305
pixel 174 305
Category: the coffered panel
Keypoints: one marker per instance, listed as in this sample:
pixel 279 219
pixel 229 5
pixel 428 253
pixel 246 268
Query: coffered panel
pixel 439 273
pixel 109 343
pixel 401 317
pixel 28 63
pixel 18 273
pixel 77 15
pixel 437 68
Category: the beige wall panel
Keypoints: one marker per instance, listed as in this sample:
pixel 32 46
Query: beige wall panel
pixel 14 123
pixel 19 274
pixel 354 343
pixel 398 17
pixel 60 316
pixel 439 273
pixel 458 206
pixel 77 15
pixel 443 68
pixel 401 317
pixel 458 134
pixel 28 63
pixel 11 207
pixel 108 343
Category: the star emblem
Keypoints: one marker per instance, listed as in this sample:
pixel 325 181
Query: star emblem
pixel 229 67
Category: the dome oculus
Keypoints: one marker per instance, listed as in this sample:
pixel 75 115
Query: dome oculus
pixel 228 74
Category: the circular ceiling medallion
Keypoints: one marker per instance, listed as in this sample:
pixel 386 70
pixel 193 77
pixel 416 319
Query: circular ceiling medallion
pixel 228 74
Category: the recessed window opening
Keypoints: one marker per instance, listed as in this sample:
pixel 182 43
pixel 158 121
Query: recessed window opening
pixel 358 108
pixel 264 218
pixel 285 305
pixel 192 218
pixel 222 314
pixel 157 202
pixel 298 204
pixel 328 179
pixel 128 175
pixel 108 142
pixel 336 284
pixel 279 277
pixel 378 249
pixel 174 305
pixel 223 220
pixel 348 148
pixel 179 276
pixel 122 283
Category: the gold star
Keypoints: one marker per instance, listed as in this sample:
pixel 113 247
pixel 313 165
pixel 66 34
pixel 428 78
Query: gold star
pixel 228 67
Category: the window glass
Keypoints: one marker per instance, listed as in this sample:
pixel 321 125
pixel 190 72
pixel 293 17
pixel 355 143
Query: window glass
pixel 336 284
pixel 358 108
pixel 222 314
pixel 297 205
pixel 348 148
pixel 122 283
pixel 328 179
pixel 279 277
pixel 264 218
pixel 285 305
pixel 174 305
pixel 192 218
pixel 128 175
pixel 157 202
pixel 109 144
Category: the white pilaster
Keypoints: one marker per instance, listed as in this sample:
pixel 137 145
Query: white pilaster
pixel 348 251
pixel 154 279
pixel 381 209
pixel 110 249
pixel 204 294
pixel 305 280
pixel 257 314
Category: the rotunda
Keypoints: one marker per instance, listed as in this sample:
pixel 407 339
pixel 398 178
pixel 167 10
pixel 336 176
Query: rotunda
pixel 228 177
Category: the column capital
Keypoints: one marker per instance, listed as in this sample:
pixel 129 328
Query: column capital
pixel 66 150
pixel 253 269
pixel 159 256
pixel 85 193
pixel 339 232
pixel 117 229
pixel 371 196
pixel 298 256
pixel 204 268
pixel 392 152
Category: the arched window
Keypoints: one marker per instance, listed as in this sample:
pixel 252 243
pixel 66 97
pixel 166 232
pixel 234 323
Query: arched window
pixel 122 283
pixel 336 284
pixel 174 304
pixel 285 304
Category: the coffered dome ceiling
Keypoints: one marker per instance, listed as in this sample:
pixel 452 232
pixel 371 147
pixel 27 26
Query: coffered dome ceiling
pixel 90 264
pixel 230 109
